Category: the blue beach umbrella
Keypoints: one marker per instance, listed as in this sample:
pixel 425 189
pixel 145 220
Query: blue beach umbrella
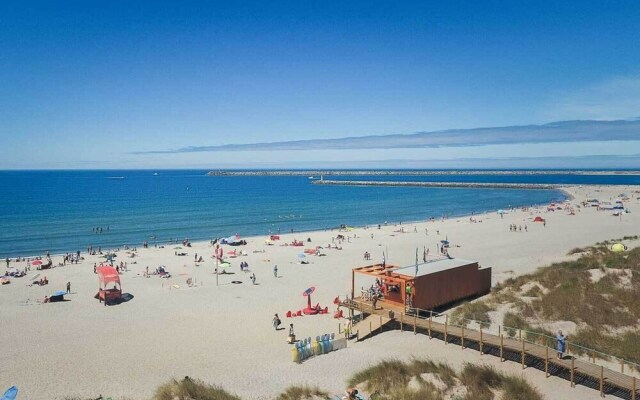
pixel 301 255
pixel 59 293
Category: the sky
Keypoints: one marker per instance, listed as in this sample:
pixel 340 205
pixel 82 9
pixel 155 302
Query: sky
pixel 115 84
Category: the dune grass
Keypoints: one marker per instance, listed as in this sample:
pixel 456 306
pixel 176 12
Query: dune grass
pixel 477 310
pixel 192 389
pixel 397 380
pixel 394 379
pixel 303 393
pixel 482 383
pixel 601 308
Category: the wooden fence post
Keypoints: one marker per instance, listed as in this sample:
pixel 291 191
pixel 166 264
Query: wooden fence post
pixel 593 355
pixel 430 315
pixel 520 334
pixel 381 324
pixel 546 363
pixel 480 338
pixel 401 327
pixel 370 329
pixel 601 381
pixel 522 354
pixel 572 384
pixel 462 338
pixel 446 323
pixel 501 347
pixel 622 366
pixel 415 322
pixel 499 330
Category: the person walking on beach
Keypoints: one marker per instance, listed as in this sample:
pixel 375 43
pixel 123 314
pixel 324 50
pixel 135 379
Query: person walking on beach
pixel 253 278
pixel 275 272
pixel 276 322
pixel 562 342
pixel 68 287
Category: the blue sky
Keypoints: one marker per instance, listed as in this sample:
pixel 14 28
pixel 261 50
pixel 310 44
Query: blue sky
pixel 93 84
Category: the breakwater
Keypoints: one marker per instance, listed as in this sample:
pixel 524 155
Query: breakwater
pixel 466 185
pixel 317 173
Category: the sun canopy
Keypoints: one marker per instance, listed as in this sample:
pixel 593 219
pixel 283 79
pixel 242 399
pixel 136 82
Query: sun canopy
pixel 107 274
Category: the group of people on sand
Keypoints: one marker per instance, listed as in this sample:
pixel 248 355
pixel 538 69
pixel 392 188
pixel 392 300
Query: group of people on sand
pixel 517 228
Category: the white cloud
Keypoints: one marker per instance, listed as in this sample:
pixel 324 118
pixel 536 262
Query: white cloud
pixel 616 98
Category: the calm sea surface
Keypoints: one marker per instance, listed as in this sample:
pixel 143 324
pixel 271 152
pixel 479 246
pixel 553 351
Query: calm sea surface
pixel 57 210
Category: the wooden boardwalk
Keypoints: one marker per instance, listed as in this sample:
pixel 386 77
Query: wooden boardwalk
pixel 528 354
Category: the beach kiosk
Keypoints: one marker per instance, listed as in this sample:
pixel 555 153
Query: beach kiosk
pixel 110 288
pixel 432 284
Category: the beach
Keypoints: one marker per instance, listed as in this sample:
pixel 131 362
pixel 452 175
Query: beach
pixel 222 333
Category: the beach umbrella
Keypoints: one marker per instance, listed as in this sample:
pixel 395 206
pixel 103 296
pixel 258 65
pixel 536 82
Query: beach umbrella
pixel 34 277
pixel 36 262
pixel 177 248
pixel 59 293
pixel 301 255
pixel 224 265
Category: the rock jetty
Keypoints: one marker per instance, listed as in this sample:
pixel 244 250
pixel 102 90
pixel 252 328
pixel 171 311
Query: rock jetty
pixel 477 185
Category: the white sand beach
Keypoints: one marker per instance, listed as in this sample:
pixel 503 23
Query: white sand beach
pixel 223 334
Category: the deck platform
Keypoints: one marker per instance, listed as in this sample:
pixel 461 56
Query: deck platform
pixel 389 316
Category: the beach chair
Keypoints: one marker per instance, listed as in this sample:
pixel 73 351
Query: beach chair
pixel 299 313
pixel 288 314
pixel 299 350
pixel 317 349
pixel 325 344
pixel 308 347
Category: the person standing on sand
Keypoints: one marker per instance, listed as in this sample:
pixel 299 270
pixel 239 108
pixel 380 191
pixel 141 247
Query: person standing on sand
pixel 68 287
pixel 253 278
pixel 275 272
pixel 562 342
pixel 276 322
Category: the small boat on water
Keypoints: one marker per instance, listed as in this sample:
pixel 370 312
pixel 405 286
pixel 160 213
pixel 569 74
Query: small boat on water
pixel 115 177
pixel 155 174
pixel 311 177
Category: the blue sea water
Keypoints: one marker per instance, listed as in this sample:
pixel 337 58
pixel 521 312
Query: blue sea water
pixel 56 211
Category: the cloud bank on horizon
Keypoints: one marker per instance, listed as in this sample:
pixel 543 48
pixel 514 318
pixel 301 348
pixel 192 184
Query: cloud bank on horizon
pixel 554 132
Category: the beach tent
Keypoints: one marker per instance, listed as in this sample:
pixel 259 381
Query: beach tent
pixel 618 248
pixel 110 288
pixel 538 219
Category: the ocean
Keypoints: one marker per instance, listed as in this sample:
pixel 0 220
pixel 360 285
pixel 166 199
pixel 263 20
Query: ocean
pixel 58 211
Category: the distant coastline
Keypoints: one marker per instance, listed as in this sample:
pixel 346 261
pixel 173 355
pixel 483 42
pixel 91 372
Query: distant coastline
pixel 342 172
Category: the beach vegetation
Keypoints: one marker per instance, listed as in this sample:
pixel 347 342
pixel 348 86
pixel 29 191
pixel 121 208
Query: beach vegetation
pixel 598 292
pixel 303 393
pixel 426 380
pixel 191 389
pixel 476 310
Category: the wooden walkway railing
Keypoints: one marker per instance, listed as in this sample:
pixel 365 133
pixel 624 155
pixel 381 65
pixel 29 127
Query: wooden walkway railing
pixel 526 352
